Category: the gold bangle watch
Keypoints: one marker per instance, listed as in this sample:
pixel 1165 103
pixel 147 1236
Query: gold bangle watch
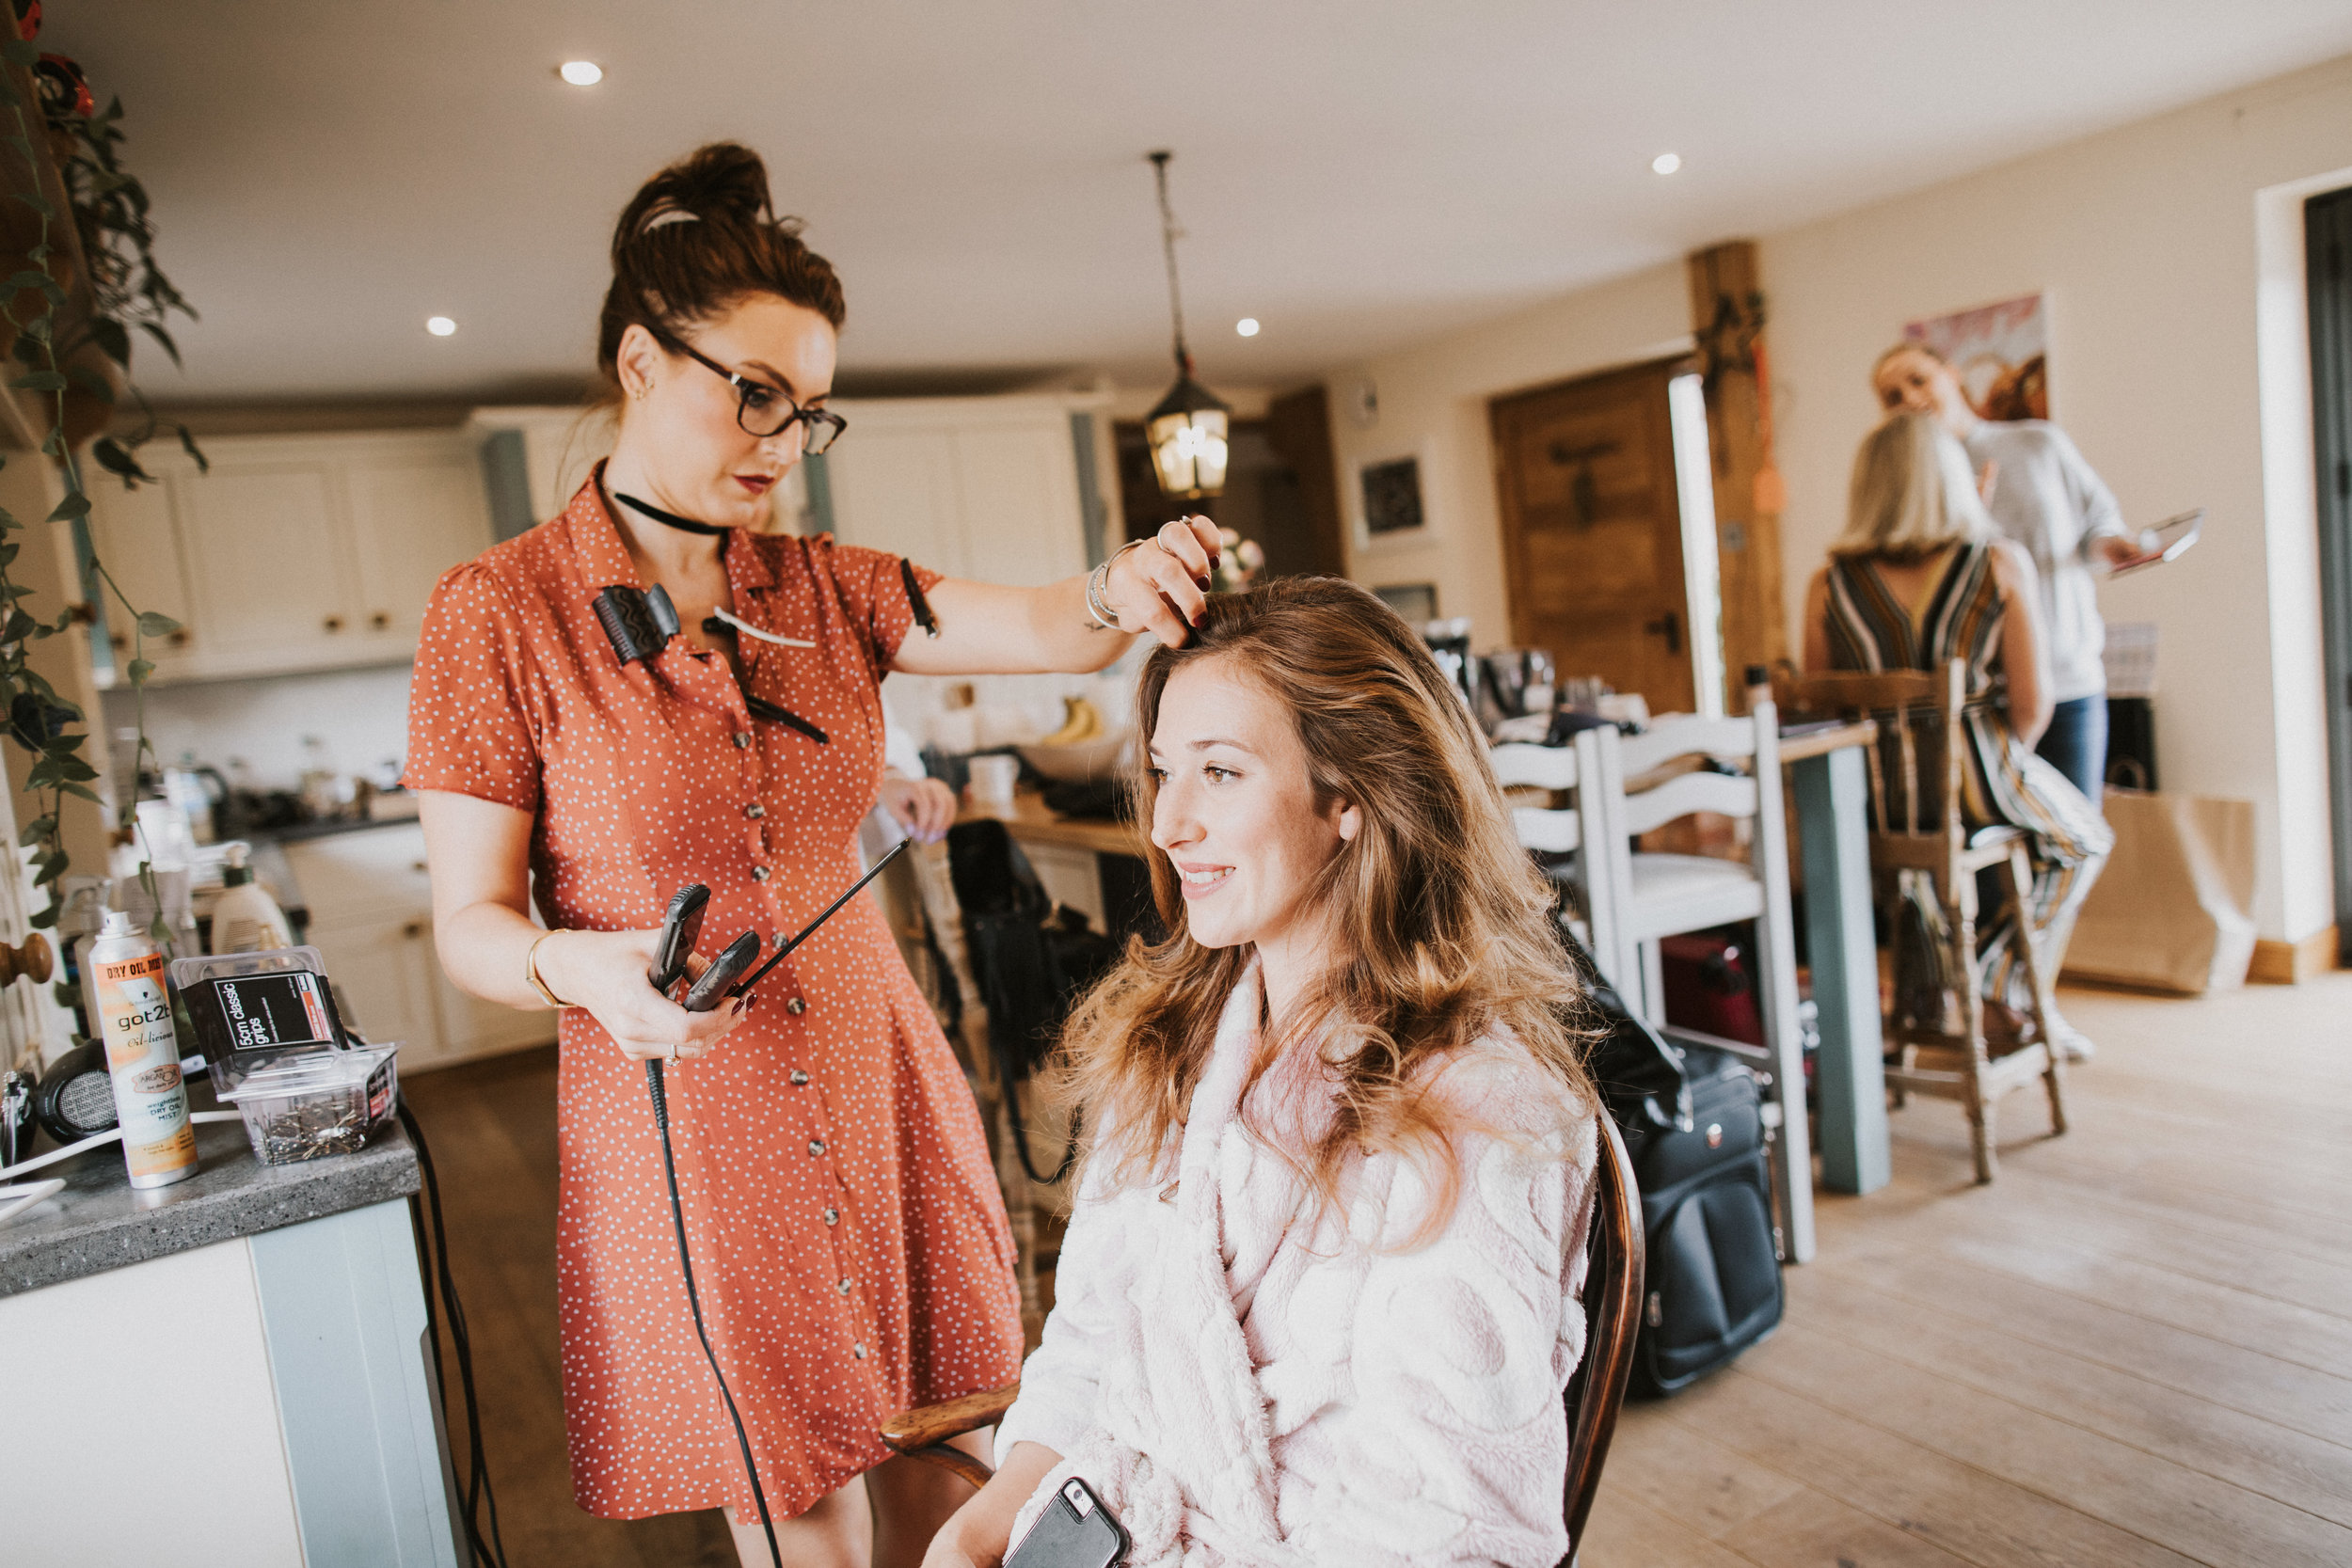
pixel 531 972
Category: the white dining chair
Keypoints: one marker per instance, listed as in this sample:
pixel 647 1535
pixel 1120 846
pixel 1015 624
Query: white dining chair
pixel 1554 832
pixel 1638 898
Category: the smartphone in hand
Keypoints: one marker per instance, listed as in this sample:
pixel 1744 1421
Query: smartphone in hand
pixel 1074 1530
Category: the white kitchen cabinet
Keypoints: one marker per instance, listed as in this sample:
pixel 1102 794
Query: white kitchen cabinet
pixel 974 488
pixel 293 552
pixel 371 905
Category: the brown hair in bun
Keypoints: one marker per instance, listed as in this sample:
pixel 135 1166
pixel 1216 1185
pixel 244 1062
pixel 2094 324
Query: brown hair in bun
pixel 699 236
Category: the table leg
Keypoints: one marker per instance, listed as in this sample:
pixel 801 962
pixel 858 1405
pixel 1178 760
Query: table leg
pixel 1832 817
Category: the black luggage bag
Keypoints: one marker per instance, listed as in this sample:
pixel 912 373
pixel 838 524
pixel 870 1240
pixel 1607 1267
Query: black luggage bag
pixel 1693 1124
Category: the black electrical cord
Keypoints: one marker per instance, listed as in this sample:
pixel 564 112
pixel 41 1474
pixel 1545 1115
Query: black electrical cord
pixel 693 1301
pixel 492 1549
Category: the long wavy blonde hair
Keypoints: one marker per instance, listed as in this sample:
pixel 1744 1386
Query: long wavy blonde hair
pixel 1912 493
pixel 1441 925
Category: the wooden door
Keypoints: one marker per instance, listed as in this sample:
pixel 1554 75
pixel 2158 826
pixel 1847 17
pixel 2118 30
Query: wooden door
pixel 413 517
pixel 1592 530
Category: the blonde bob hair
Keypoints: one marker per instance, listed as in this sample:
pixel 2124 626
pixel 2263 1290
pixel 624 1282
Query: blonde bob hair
pixel 1440 926
pixel 1912 493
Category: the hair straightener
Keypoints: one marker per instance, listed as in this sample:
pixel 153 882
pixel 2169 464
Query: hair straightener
pixel 681 927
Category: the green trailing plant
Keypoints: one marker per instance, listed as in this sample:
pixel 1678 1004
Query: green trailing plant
pixel 125 291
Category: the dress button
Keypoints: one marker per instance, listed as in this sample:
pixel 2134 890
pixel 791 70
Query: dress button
pixel 798 1078
pixel 759 873
pixel 754 812
pixel 845 1287
pixel 816 1147
pixel 858 1351
pixel 742 738
pixel 798 1006
pixel 833 1216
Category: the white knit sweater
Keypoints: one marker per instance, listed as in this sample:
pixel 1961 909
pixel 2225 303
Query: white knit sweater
pixel 1240 1392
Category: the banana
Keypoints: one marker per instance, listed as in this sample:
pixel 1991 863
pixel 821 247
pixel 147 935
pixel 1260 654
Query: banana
pixel 1080 721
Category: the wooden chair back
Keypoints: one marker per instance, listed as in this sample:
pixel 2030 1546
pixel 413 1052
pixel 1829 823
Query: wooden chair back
pixel 1612 1321
pixel 1897 698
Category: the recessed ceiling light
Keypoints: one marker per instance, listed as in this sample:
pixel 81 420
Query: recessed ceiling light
pixel 1246 327
pixel 441 327
pixel 580 73
pixel 1665 163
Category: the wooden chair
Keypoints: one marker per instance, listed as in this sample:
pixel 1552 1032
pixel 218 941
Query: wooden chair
pixel 1612 1318
pixel 1641 897
pixel 1950 1060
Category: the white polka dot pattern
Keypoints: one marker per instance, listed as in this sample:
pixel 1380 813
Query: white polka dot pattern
pixel 849 1243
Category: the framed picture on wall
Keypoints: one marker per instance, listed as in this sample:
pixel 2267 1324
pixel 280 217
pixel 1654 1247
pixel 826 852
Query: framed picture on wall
pixel 1417 602
pixel 1390 507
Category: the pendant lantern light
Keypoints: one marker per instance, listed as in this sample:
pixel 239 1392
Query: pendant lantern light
pixel 1187 428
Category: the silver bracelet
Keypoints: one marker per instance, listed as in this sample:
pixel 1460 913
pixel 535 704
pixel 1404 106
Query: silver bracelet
pixel 1105 619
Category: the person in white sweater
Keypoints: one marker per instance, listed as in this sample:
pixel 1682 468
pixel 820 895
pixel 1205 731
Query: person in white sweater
pixel 1320 1294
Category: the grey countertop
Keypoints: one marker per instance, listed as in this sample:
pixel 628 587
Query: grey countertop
pixel 98 1222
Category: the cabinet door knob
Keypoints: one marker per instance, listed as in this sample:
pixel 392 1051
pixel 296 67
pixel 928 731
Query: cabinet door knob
pixel 414 928
pixel 28 961
pixel 334 623
pixel 379 620
pixel 179 639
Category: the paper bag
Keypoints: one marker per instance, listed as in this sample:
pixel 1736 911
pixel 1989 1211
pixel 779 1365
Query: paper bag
pixel 2173 911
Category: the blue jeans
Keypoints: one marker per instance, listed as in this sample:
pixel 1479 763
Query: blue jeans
pixel 2076 744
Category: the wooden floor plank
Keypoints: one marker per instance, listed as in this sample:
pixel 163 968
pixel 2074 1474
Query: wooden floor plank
pixel 1626 1532
pixel 1813 1530
pixel 2261 1456
pixel 1972 1516
pixel 2099 1334
pixel 1690 1476
pixel 2208 1520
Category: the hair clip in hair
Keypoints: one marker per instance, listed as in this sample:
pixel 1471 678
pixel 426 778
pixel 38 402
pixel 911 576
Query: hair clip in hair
pixel 667 216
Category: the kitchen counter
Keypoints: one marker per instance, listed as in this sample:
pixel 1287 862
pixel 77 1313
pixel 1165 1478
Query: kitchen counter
pixel 263 1325
pixel 100 1222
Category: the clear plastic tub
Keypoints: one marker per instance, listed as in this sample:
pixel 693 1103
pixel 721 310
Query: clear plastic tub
pixel 301 1107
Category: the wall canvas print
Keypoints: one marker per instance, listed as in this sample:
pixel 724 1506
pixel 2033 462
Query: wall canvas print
pixel 2000 353
pixel 1393 497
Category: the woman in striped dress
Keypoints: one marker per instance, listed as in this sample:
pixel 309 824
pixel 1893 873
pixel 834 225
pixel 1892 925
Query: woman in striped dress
pixel 1919 578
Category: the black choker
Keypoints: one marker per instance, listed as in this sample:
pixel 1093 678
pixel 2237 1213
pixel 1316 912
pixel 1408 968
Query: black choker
pixel 684 525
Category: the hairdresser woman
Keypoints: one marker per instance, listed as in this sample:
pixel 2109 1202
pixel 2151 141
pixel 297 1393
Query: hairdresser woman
pixel 849 1241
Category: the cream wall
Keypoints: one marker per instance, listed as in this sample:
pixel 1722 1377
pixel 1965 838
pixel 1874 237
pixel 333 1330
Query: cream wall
pixel 2154 244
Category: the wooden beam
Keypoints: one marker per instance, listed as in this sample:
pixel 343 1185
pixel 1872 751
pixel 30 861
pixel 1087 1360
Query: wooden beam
pixel 1727 314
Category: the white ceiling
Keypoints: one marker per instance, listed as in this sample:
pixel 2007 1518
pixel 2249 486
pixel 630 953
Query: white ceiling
pixel 328 173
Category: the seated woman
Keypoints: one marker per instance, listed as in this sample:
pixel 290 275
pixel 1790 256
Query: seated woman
pixel 1319 1296
pixel 1921 577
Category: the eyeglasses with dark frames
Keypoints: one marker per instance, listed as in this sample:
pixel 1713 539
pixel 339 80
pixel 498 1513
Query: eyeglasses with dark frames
pixel 767 411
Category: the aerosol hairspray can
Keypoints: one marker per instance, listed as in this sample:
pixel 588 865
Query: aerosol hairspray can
pixel 132 1016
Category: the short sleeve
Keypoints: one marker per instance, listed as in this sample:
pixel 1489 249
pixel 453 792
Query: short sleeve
pixel 471 723
pixel 873 589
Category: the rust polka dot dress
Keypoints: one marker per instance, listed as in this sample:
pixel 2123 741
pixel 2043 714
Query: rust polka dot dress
pixel 849 1241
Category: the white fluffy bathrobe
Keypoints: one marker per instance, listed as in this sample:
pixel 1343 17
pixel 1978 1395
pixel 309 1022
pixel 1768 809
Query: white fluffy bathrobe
pixel 1239 1392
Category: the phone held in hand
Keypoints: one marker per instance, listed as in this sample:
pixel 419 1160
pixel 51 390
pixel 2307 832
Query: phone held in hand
pixel 1074 1530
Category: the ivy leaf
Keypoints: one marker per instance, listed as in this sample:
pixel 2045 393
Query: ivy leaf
pixel 141 670
pixel 76 504
pixel 112 339
pixel 156 623
pixel 40 381
pixel 17 627
pixel 187 444
pixel 44 919
pixel 38 203
pixel 82 792
pixel 36 830
pixel 161 337
pixel 31 278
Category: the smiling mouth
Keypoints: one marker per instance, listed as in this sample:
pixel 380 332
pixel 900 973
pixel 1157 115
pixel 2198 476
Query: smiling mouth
pixel 1199 883
pixel 756 483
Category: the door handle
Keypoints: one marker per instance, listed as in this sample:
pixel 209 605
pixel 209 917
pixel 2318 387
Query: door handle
pixel 29 960
pixel 1669 626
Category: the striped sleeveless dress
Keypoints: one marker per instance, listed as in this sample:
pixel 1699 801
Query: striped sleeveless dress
pixel 2003 783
